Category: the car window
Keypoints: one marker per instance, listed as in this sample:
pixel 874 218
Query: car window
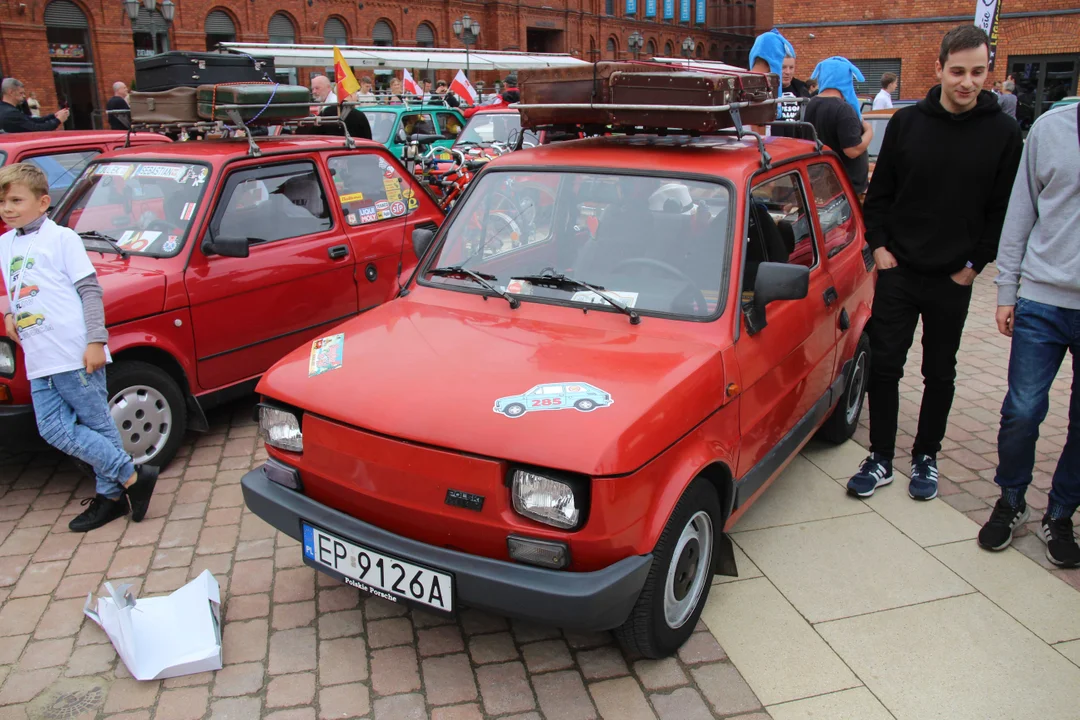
pixel 781 223
pixel 487 128
pixel 144 207
pixel 63 169
pixel 286 202
pixel 878 124
pixel 833 208
pixel 418 123
pixel 449 125
pixel 382 124
pixel 370 188
pixel 654 243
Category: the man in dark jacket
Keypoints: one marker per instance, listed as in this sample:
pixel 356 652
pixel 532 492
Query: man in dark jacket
pixel 934 213
pixel 118 102
pixel 13 120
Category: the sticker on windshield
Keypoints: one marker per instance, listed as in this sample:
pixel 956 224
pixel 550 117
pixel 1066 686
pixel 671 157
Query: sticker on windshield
pixel 575 395
pixel 115 169
pixel 327 354
pixel 171 244
pixel 629 299
pixel 172 172
pixel 138 241
pixel 397 209
pixel 189 210
pixel 351 197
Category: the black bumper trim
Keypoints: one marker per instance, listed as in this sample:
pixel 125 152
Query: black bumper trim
pixel 599 600
pixel 18 427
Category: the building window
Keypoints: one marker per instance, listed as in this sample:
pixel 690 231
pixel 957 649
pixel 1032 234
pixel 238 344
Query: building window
pixel 669 49
pixel 382 35
pixel 425 36
pixel 68 35
pixel 151 33
pixel 335 33
pixel 282 29
pixel 609 7
pixel 219 28
pixel 700 51
pixel 650 49
pixel 872 70
pixel 612 49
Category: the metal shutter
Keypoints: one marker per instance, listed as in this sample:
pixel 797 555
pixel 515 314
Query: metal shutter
pixel 65 14
pixel 148 22
pixel 425 36
pixel 334 32
pixel 611 45
pixel 650 49
pixel 872 70
pixel 382 32
pixel 219 23
pixel 282 29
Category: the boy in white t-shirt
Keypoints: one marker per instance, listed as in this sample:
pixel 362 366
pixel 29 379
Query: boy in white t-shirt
pixel 883 100
pixel 60 325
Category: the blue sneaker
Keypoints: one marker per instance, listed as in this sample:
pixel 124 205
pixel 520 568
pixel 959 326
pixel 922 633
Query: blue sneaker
pixel 924 477
pixel 875 472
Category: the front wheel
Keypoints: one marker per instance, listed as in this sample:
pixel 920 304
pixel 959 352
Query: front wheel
pixel 148 408
pixel 844 420
pixel 678 584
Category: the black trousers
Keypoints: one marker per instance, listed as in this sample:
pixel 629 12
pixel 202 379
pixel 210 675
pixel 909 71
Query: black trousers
pixel 901 297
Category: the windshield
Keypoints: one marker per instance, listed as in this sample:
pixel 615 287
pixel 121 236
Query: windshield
pixel 878 124
pixel 145 207
pixel 382 124
pixel 495 127
pixel 654 244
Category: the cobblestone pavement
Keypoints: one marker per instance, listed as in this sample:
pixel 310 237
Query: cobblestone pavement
pixel 298 645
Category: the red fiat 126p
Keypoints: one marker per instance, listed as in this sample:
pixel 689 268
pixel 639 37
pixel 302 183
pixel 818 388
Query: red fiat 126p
pixel 609 350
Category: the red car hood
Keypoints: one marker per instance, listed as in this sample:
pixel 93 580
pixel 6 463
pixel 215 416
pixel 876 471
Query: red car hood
pixel 130 291
pixel 432 375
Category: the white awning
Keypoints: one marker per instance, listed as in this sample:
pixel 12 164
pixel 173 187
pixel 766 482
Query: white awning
pixel 694 64
pixel 396 57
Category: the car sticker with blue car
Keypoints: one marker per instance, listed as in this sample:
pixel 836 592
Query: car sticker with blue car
pixel 574 395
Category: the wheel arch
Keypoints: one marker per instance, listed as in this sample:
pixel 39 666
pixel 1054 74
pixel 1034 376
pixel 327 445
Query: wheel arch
pixel 720 477
pixel 162 359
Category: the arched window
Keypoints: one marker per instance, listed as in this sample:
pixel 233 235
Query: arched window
pixel 612 49
pixel 68 34
pixel 425 35
pixel 714 52
pixel 282 29
pixel 151 33
pixel 650 48
pixel 382 34
pixel 669 49
pixel 219 28
pixel 335 33
pixel 699 51
pixel 592 49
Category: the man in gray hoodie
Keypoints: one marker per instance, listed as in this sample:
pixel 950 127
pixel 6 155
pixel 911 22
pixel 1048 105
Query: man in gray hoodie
pixel 1039 308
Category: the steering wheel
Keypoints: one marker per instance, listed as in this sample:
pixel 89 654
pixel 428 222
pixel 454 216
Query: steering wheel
pixel 162 226
pixel 698 302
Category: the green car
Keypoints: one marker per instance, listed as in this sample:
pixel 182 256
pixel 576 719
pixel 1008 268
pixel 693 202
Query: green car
pixel 390 124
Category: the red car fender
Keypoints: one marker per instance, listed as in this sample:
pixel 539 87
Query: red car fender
pixel 166 334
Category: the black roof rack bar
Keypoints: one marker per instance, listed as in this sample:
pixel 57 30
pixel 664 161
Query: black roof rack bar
pixel 800 124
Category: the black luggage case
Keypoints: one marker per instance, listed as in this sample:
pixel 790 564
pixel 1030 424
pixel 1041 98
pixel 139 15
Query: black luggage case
pixel 192 69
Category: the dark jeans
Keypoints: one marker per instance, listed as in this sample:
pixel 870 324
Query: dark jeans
pixel 900 299
pixel 1041 336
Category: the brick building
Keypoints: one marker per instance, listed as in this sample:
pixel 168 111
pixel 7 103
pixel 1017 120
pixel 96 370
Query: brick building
pixel 75 49
pixel 1039 42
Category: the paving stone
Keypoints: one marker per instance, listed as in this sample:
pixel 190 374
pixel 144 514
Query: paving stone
pixel 129 694
pixel 602 663
pixel 25 541
pixel 701 648
pixel 11 569
pixel 291 556
pixel 235 709
pixel 165 581
pixel 547 655
pixel 11 648
pixel 965 502
pixel 503 688
pixel 61 618
pixel 252 576
pixel 376 608
pixel 401 707
pixel 440 640
pixel 40 578
pixel 342 661
pixel 203 678
pixel 621 699
pixel 90 660
pixel 23 687
pixel 58 547
pixel 182 704
pixel 244 641
pixel 495 647
pixel 180 533
pixel 252 549
pixel 237 680
pixel 224 516
pixel 187 511
pixel 290 690
pixel 475 622
pixel 344 701
pixel 46 653
pixel 340 624
pixel 684 704
pixel 393 670
pixel 424 619
pixel 130 562
pixel 73 586
pixel 247 607
pixel 392 631
pixel 173 557
pixel 338 598
pixel 526 632
pixel 293 615
pixel 660 674
pixel 725 689
pixel 448 679
pixel 292 651
pixel 562 695
pixel 214 540
pixel 294 585
pixel 470 711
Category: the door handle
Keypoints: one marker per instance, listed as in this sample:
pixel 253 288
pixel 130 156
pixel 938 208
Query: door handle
pixel 338 251
pixel 830 296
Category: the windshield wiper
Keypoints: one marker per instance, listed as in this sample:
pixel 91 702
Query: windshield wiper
pixel 479 279
pixel 553 279
pixel 95 235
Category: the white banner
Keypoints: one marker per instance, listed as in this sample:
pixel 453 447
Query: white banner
pixel 986 19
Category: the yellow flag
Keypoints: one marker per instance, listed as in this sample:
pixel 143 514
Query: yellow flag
pixel 346 81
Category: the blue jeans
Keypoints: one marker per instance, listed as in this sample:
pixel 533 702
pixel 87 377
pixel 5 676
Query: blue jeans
pixel 72 411
pixel 1041 336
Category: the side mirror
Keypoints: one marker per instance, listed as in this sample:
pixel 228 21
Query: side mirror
pixel 775 281
pixel 421 240
pixel 226 246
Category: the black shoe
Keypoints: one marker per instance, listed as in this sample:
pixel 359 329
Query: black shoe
pixel 140 491
pixel 997 533
pixel 1061 547
pixel 102 511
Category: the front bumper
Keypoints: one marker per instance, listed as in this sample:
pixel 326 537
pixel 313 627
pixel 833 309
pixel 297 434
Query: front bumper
pixel 18 427
pixel 599 600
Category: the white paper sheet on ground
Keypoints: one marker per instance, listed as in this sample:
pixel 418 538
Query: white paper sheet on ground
pixel 163 637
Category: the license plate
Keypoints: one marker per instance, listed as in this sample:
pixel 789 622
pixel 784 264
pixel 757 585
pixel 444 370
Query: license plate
pixel 379 574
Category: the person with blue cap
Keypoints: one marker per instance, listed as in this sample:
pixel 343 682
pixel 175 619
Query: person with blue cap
pixel 834 112
pixel 772 53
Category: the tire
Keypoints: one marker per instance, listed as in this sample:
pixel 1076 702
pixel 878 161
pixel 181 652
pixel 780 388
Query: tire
pixel 514 410
pixel 585 405
pixel 841 424
pixel 648 630
pixel 148 408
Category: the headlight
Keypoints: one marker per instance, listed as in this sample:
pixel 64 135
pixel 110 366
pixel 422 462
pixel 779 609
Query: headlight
pixel 541 498
pixel 282 428
pixel 7 358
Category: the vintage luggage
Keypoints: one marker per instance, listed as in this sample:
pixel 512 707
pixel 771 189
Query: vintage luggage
pixel 577 84
pixel 169 106
pixel 192 69
pixel 700 89
pixel 285 101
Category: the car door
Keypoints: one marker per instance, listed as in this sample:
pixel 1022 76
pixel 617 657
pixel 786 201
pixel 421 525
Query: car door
pixel 297 281
pixel 786 365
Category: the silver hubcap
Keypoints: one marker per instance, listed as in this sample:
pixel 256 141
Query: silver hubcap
pixel 689 570
pixel 144 419
pixel 855 389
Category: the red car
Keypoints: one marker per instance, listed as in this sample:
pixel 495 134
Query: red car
pixel 64 155
pixel 609 351
pixel 216 263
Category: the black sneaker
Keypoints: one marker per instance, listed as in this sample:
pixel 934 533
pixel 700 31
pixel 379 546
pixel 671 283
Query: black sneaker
pixel 141 490
pixel 1061 547
pixel 102 511
pixel 875 472
pixel 997 533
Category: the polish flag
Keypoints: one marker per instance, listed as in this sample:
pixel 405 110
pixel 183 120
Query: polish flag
pixel 410 86
pixel 464 89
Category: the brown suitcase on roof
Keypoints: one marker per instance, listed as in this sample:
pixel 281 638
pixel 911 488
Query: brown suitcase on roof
pixel 579 84
pixel 697 89
pixel 168 106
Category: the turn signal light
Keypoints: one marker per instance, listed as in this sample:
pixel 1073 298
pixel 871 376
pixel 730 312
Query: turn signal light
pixel 5 395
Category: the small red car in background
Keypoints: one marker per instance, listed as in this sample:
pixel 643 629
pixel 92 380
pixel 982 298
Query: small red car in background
pixel 64 155
pixel 216 263
pixel 608 352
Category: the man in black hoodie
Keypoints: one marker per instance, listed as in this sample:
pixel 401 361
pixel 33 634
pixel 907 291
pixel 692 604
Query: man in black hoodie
pixel 933 214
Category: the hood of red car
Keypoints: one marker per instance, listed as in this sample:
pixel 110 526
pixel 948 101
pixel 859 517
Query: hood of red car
pixel 606 396
pixel 131 291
